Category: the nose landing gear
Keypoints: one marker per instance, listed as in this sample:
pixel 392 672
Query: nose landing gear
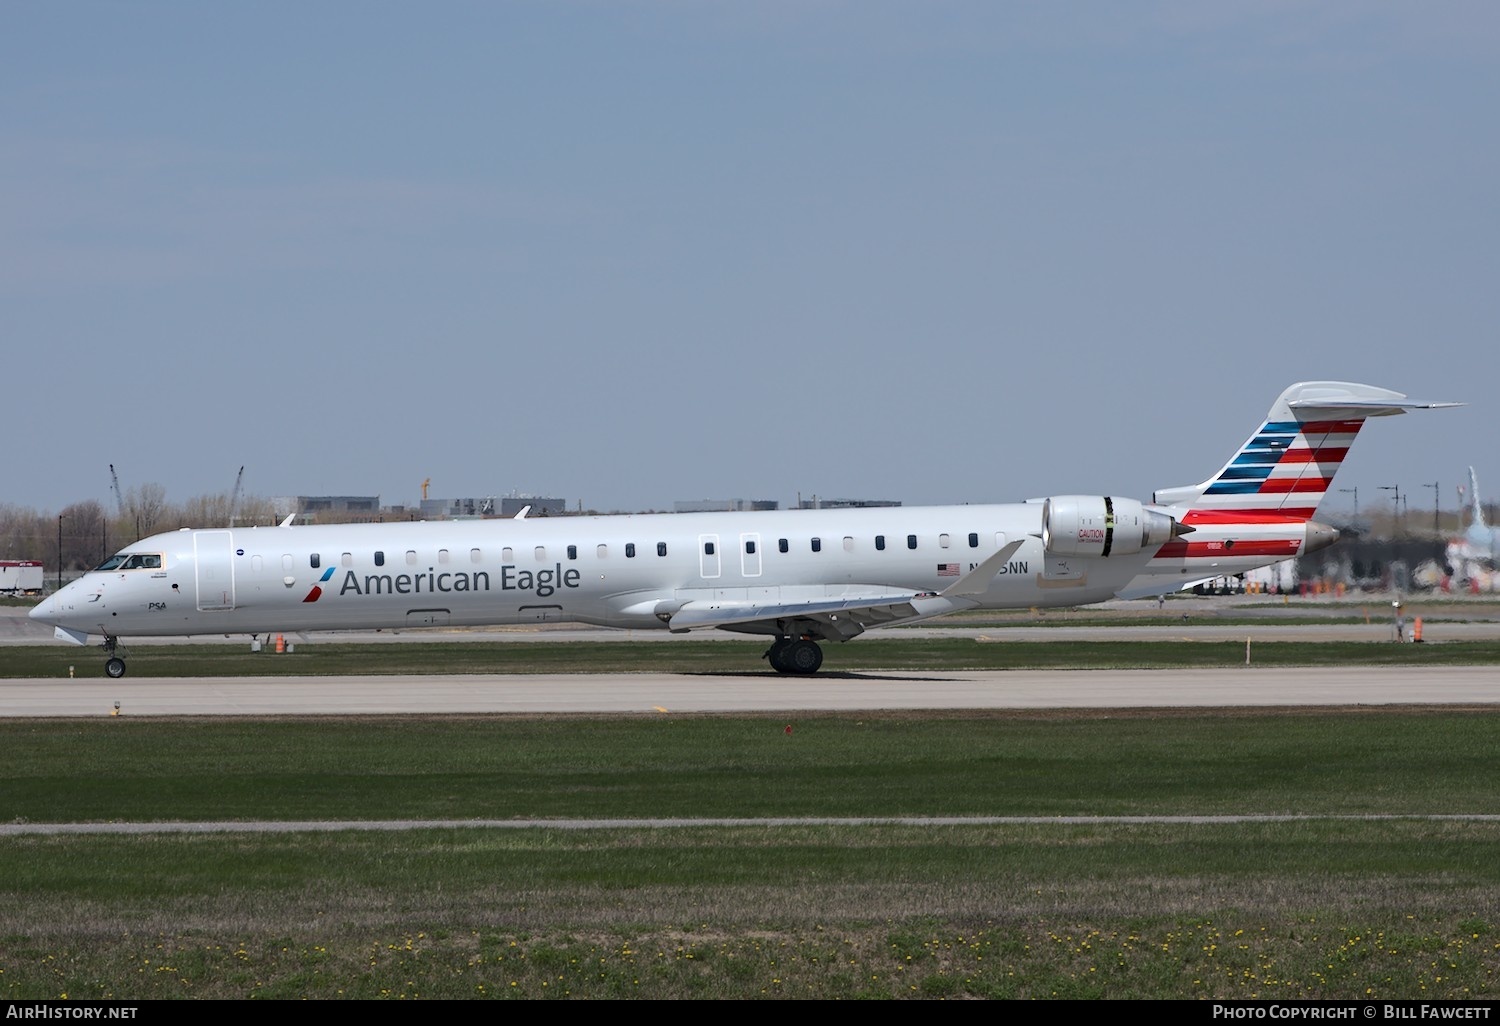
pixel 114 666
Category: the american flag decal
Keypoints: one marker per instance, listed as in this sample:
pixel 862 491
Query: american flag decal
pixel 947 569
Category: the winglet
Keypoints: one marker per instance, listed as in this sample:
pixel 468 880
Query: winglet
pixel 977 581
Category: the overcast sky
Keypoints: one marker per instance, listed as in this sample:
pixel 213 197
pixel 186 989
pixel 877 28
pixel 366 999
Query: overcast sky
pixel 630 253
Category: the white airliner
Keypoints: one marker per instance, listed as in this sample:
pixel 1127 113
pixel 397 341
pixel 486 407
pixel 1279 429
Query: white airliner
pixel 797 576
pixel 1480 543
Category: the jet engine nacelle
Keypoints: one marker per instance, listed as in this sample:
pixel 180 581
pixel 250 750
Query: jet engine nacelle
pixel 1098 525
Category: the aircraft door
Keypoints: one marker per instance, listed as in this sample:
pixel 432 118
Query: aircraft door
pixel 708 556
pixel 213 561
pixel 750 555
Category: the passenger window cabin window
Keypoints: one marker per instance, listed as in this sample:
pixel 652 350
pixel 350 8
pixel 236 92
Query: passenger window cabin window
pixel 602 552
pixel 474 556
pixel 661 548
pixel 286 562
pixel 630 550
pixel 708 548
pixel 848 543
pixel 379 558
pixel 781 545
pixel 750 548
pixel 315 560
pixel 911 541
pixel 507 555
pixel 880 543
pixel 541 553
pixel 442 555
pixel 411 557
pixel 348 559
pixel 817 544
pixel 973 540
pixel 572 551
pixel 943 541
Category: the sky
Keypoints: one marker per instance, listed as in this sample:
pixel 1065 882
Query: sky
pixel 629 253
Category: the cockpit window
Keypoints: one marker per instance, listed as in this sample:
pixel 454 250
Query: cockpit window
pixel 132 561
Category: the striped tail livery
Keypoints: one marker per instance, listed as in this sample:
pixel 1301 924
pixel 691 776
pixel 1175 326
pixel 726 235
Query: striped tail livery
pixel 1261 504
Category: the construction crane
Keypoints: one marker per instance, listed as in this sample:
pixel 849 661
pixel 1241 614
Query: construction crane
pixel 234 496
pixel 114 484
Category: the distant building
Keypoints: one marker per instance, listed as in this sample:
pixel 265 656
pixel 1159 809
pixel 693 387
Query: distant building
pixel 490 506
pixel 439 509
pixel 723 505
pixel 312 505
pixel 510 505
pixel 817 503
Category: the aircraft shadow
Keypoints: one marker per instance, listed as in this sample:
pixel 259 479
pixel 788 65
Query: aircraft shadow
pixel 835 675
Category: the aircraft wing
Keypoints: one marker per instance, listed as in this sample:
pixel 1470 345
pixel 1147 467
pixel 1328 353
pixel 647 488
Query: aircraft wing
pixel 841 618
pixel 847 615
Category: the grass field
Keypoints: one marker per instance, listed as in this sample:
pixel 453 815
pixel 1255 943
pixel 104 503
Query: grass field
pixel 1331 904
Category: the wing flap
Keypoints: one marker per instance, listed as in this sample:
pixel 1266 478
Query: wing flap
pixel 701 613
pixel 835 618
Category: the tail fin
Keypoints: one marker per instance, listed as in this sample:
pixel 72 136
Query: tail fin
pixel 1285 468
pixel 1477 513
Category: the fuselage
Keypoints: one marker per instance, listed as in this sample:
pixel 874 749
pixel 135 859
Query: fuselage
pixel 628 571
pixel 800 576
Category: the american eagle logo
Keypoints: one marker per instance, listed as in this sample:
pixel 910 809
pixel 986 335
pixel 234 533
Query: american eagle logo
pixel 317 589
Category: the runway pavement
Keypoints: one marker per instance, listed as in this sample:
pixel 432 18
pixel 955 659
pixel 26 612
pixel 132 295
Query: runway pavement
pixel 766 692
pixel 1182 619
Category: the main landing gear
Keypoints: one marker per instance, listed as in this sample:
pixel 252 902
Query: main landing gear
pixel 794 655
pixel 114 666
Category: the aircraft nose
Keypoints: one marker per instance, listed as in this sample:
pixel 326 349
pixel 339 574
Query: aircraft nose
pixel 45 610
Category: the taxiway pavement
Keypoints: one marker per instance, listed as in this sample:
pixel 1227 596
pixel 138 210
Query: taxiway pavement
pixel 764 692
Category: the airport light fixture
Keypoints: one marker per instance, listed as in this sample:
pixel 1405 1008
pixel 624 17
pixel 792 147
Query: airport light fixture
pixel 1355 490
pixel 1437 530
pixel 1395 489
pixel 59 550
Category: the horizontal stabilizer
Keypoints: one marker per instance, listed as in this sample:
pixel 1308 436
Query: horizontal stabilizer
pixel 1361 407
